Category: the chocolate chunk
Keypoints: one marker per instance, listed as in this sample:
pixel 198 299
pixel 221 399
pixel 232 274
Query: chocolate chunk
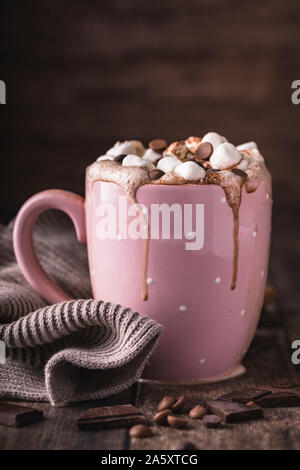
pixel 212 421
pixel 279 399
pixel 244 395
pixel 140 430
pixel 156 174
pixel 176 422
pixel 161 417
pixel 179 404
pixel 204 151
pixel 17 416
pixel 232 412
pixel 197 412
pixel 240 173
pixel 158 145
pixel 120 158
pixel 109 417
pixel 185 445
pixel 167 402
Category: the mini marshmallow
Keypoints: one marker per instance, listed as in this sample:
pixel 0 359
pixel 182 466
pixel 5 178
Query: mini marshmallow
pixel 120 148
pixel 247 146
pixel 243 165
pixel 193 143
pixel 214 138
pixel 167 164
pixel 151 156
pixel 225 156
pixel 135 160
pixel 105 157
pixel 139 148
pixel 190 171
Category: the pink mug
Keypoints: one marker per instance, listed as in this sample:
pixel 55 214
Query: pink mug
pixel 208 326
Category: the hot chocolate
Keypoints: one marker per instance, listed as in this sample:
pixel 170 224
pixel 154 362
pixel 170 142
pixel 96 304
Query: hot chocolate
pixel 194 161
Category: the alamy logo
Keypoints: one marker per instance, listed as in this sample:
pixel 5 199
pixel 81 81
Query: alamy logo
pixel 161 221
pixel 2 353
pixel 296 94
pixel 2 92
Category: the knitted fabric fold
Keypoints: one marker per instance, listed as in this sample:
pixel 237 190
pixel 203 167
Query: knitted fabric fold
pixel 68 352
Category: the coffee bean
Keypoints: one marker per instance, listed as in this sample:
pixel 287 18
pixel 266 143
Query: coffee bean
pixel 167 402
pixel 158 145
pixel 185 445
pixel 204 151
pixel 176 422
pixel 240 173
pixel 140 430
pixel 161 417
pixel 212 421
pixel 156 174
pixel 120 157
pixel 179 404
pixel 197 412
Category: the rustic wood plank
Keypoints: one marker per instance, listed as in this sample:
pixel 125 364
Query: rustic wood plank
pixel 58 431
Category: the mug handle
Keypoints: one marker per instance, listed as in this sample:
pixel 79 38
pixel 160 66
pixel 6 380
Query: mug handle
pixel 70 203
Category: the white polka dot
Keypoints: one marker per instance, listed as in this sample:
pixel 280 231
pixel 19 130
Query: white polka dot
pixel 190 235
pixel 202 361
pixel 182 308
pixel 217 280
pixel 149 281
pixel 223 200
pixel 262 273
pixel 243 312
pixel 254 234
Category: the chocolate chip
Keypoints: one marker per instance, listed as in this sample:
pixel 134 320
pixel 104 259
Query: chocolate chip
pixel 17 416
pixel 120 158
pixel 232 412
pixel 140 430
pixel 176 422
pixel 197 412
pixel 204 151
pixel 158 145
pixel 156 174
pixel 240 173
pixel 185 445
pixel 279 399
pixel 161 417
pixel 179 404
pixel 212 421
pixel 167 402
pixel 244 395
pixel 110 417
pixel 213 170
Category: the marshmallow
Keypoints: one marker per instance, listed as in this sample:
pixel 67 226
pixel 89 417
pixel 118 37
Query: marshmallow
pixel 105 157
pixel 177 149
pixel 190 171
pixel 120 148
pixel 138 146
pixel 247 146
pixel 214 138
pixel 243 165
pixel 151 156
pixel 167 164
pixel 135 160
pixel 193 143
pixel 225 156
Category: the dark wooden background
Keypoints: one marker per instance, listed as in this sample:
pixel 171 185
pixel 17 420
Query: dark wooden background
pixel 80 75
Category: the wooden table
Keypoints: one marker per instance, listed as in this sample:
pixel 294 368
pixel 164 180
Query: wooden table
pixel 268 364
